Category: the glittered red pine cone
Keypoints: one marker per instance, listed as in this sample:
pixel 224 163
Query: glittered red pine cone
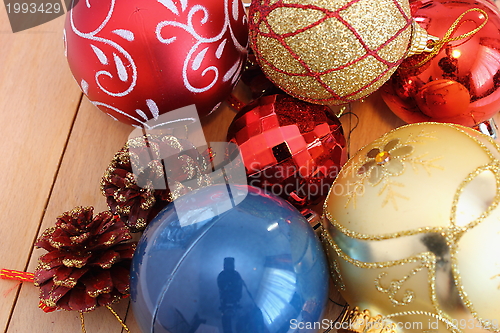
pixel 138 198
pixel 88 261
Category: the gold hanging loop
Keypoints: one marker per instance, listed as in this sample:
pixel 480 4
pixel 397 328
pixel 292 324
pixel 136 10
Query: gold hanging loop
pixel 82 321
pixel 433 44
pixel 118 318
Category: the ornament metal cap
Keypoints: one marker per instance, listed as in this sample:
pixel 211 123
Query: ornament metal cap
pixel 313 218
pixel 420 40
pixel 356 321
pixel 488 127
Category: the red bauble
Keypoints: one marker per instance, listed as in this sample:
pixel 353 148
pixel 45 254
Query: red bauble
pixel 138 59
pixel 292 148
pixel 461 84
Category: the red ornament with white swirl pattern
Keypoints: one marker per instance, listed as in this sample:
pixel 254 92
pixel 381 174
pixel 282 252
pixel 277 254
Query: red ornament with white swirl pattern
pixel 137 60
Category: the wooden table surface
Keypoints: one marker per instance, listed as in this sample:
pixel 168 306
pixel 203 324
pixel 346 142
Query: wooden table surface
pixel 55 146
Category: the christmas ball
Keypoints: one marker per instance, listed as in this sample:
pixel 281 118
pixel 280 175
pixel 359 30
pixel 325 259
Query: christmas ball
pixel 246 262
pixel 136 61
pixel 331 52
pixel 461 83
pixel 292 148
pixel 412 232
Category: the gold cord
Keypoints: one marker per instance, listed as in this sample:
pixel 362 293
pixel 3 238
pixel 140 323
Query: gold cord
pixel 82 321
pixel 438 45
pixel 118 318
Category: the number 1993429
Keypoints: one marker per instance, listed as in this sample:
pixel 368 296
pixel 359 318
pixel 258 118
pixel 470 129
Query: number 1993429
pixel 33 8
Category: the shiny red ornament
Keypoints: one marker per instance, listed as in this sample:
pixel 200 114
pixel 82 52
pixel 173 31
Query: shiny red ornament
pixel 292 148
pixel 460 84
pixel 138 59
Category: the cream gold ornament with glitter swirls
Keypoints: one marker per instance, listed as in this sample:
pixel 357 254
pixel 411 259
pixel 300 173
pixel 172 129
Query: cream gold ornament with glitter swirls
pixel 433 262
pixel 386 160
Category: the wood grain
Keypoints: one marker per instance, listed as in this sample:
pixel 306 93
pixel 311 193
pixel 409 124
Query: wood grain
pixel 93 140
pixel 55 146
pixel 38 103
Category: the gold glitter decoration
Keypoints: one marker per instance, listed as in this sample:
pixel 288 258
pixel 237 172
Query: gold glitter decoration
pixel 188 166
pixel 53 242
pixel 430 262
pixel 301 83
pixel 96 293
pixel 330 52
pixel 68 282
pixel 395 286
pixel 364 322
pixel 382 26
pixel 353 78
pixel 123 210
pixel 279 19
pixel 74 263
pixel 390 51
pixel 323 56
pixel 172 142
pixel 120 197
pixel 141 223
pixel 385 161
pixel 327 4
pixel 148 203
pixel 279 56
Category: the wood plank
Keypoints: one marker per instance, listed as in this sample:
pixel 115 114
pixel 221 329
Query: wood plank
pixel 94 140
pixel 52 162
pixel 38 101
pixel 371 119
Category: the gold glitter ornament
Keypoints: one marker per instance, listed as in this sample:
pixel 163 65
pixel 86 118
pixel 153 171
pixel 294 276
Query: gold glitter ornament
pixel 412 230
pixel 332 51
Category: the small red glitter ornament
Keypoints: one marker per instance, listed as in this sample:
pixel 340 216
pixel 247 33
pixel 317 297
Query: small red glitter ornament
pixel 292 148
pixel 461 83
pixel 136 60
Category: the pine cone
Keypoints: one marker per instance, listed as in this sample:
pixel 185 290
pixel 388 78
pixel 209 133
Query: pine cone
pixel 137 199
pixel 88 261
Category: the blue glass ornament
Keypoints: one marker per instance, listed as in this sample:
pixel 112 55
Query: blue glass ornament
pixel 240 261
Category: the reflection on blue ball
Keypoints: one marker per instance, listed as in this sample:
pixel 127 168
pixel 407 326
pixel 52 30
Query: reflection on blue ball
pixel 253 267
